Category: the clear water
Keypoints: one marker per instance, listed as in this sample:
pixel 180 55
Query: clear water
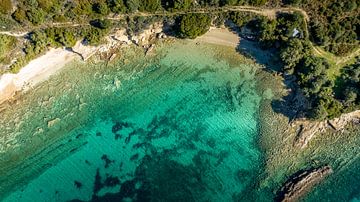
pixel 180 126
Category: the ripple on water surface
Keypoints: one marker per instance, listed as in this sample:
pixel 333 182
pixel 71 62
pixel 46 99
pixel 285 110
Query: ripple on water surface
pixel 181 126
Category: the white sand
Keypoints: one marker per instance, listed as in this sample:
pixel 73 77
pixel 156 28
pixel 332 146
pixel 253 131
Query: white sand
pixel 43 67
pixel 36 71
pixel 220 36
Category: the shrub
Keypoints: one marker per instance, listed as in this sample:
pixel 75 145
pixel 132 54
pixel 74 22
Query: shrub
pixel 94 36
pixel 19 15
pixel 174 5
pixel 5 6
pixel 61 37
pixel 116 6
pixel 149 5
pixel 6 44
pixel 35 16
pixel 101 8
pixel 132 5
pixel 194 25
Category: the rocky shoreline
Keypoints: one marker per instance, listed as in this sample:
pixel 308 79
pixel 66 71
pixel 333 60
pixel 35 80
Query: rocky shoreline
pixel 46 65
pixel 301 183
pixel 306 130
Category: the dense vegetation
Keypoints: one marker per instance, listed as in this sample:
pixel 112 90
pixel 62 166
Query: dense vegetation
pixel 288 39
pixel 194 25
pixel 5 6
pixel 334 25
pixel 6 44
pixel 349 88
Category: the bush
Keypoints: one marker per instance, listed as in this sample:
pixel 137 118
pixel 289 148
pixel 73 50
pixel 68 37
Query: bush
pixel 132 5
pixel 5 6
pixel 175 5
pixel 19 15
pixel 101 8
pixel 6 44
pixel 240 18
pixel 194 25
pixel 94 36
pixel 61 37
pixel 149 5
pixel 116 6
pixel 35 16
pixel 294 52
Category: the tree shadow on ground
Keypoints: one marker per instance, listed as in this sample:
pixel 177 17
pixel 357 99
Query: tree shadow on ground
pixel 290 105
pixel 252 49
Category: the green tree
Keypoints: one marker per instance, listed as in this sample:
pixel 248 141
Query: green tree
pixel 5 6
pixel 266 31
pixel 132 5
pixel 177 4
pixel 350 95
pixel 19 15
pixel 95 35
pixel 61 37
pixel 35 16
pixel 116 6
pixel 292 2
pixel 194 25
pixel 294 51
pixel 39 42
pixel 228 2
pixel 258 2
pixel 6 43
pixel 149 5
pixel 209 2
pixel 101 8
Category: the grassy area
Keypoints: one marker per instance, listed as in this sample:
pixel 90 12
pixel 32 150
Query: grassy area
pixel 336 62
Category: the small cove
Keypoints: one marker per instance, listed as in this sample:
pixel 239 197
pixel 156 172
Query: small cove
pixel 181 124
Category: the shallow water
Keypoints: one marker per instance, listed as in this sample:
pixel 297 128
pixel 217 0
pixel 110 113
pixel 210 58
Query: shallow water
pixel 180 126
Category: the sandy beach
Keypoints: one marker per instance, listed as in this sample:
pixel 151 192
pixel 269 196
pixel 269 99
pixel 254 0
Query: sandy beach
pixel 220 36
pixel 43 67
pixel 36 71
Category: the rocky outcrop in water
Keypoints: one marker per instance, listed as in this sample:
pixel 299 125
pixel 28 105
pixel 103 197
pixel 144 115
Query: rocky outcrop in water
pixel 301 183
pixel 306 130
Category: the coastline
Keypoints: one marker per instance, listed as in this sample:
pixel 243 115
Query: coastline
pixel 64 102
pixel 35 72
pixel 41 68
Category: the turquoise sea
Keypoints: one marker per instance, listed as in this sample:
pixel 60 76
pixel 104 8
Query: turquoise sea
pixel 178 126
pixel 182 124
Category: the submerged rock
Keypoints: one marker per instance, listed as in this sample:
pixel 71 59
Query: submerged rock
pixel 52 122
pixel 301 183
pixel 77 184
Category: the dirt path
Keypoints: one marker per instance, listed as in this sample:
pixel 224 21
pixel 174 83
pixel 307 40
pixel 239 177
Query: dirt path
pixel 267 12
pixel 337 60
pixel 15 34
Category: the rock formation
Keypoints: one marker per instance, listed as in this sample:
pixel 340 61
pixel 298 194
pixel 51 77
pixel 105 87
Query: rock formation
pixel 301 183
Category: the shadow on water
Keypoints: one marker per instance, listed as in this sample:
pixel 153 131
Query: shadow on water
pixel 157 178
pixel 289 105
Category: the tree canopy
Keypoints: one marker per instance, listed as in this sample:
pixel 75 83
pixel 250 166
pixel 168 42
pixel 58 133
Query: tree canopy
pixel 194 25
